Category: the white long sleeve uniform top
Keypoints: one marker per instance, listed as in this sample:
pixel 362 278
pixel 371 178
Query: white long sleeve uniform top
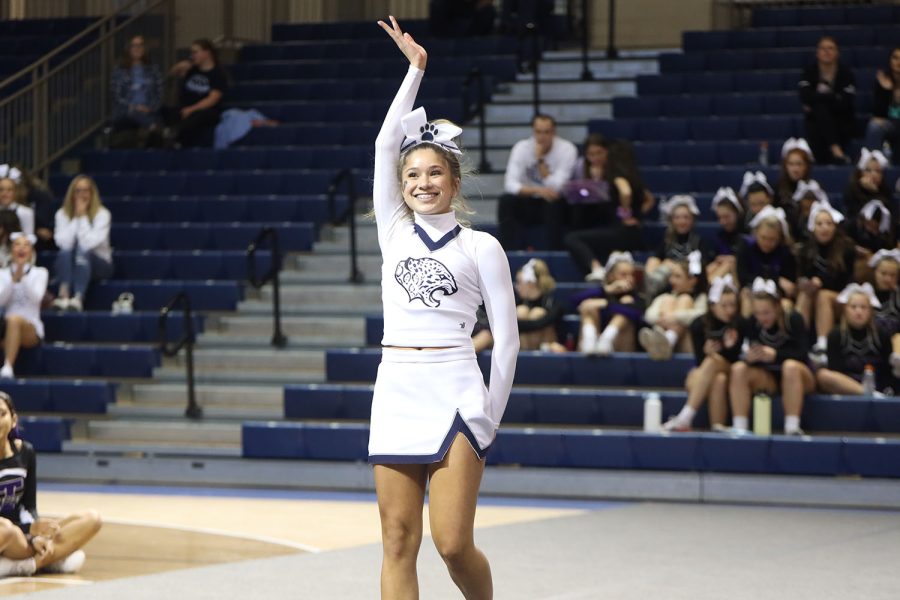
pixel 522 167
pixel 91 236
pixel 24 297
pixel 435 273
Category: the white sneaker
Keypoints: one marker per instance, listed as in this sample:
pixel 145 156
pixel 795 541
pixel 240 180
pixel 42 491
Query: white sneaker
pixel 818 357
pixel 603 347
pixel 7 372
pixel 587 344
pixel 75 304
pixel 14 568
pixel 598 274
pixel 61 304
pixel 70 564
pixel 655 343
pixel 675 424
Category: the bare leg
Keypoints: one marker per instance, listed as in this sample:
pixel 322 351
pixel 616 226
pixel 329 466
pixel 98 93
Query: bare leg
pixel 825 300
pixel 452 496
pixel 482 340
pixel 12 541
pixel 527 341
pixel 834 382
pixel 625 339
pixel 718 399
pixel 805 303
pixel 746 306
pixel 19 333
pixel 796 380
pixel 700 380
pixel 74 532
pixel 744 381
pixel 401 496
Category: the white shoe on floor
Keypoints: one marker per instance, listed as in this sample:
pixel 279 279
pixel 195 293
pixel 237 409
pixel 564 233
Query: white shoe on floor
pixel 61 304
pixel 16 568
pixel 587 345
pixel 7 372
pixel 603 347
pixel 655 343
pixel 75 304
pixel 675 424
pixel 70 564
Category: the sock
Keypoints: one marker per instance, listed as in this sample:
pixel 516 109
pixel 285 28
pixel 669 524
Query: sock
pixel 822 342
pixel 9 567
pixel 609 334
pixel 588 335
pixel 791 423
pixel 740 423
pixel 672 337
pixel 686 415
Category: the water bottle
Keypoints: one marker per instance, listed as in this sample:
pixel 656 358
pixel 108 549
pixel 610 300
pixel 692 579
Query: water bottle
pixel 868 380
pixel 652 413
pixel 764 154
pixel 762 414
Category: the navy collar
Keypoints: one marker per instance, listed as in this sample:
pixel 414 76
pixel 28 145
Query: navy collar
pixel 436 245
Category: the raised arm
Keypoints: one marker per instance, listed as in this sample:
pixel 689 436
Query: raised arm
pixel 389 205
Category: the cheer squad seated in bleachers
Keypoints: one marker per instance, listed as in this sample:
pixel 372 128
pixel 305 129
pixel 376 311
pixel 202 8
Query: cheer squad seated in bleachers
pixel 611 314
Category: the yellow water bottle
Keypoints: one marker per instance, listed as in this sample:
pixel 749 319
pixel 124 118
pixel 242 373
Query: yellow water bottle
pixel 762 414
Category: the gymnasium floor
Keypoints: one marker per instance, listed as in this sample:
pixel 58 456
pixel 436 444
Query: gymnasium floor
pixel 200 543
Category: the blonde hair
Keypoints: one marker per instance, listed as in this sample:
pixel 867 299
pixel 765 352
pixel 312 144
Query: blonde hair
pixel 545 281
pixel 95 205
pixel 844 326
pixel 774 223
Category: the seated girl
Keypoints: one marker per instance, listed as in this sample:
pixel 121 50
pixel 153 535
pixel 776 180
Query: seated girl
pixel 774 361
pixel 12 196
pixel 826 267
pixel 867 182
pixel 616 305
pixel 807 194
pixel 856 343
pixel 28 543
pixel 767 255
pixel 796 166
pixel 679 241
pixel 886 266
pixel 538 311
pixel 729 238
pixel 717 337
pixel 22 288
pixel 872 230
pixel 671 314
pixel 756 194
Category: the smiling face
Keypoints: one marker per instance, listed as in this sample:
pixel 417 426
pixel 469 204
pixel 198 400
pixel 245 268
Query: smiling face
pixel 824 228
pixel 596 156
pixel 796 165
pixel 682 220
pixel 858 311
pixel 874 171
pixel 725 309
pixel 8 419
pixel 428 182
pixel 887 274
pixel 22 250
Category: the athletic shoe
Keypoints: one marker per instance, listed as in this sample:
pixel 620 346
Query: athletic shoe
pixel 587 345
pixel 675 424
pixel 70 564
pixel 14 568
pixel 797 432
pixel 61 304
pixel 75 304
pixel 818 357
pixel 655 343
pixel 603 347
pixel 719 428
pixel 7 372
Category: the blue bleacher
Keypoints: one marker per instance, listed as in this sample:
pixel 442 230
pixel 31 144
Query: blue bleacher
pixel 43 395
pixel 104 327
pixel 46 434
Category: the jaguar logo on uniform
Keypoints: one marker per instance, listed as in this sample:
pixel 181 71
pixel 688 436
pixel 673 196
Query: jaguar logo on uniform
pixel 423 278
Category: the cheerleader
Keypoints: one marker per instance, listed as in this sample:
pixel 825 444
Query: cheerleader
pixel 886 267
pixel 775 360
pixel 867 182
pixel 680 240
pixel 856 343
pixel 796 166
pixel 730 236
pixel 12 195
pixel 22 288
pixel 615 304
pixel 672 313
pixel 826 267
pixel 756 193
pixel 433 419
pixel 872 230
pixel 767 255
pixel 717 338
pixel 538 312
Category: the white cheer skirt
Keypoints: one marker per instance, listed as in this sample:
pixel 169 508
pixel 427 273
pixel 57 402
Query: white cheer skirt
pixel 423 398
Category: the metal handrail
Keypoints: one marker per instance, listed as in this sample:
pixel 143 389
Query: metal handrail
pixel 531 31
pixel 586 73
pixel 468 112
pixel 611 51
pixel 346 175
pixel 279 340
pixel 193 410
pixel 38 92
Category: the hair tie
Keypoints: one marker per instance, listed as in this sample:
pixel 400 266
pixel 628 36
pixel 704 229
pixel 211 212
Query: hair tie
pixel 869 212
pixel 892 254
pixel 529 275
pixel 726 194
pixel 809 187
pixel 770 212
pixel 866 155
pixel 616 258
pixel 666 207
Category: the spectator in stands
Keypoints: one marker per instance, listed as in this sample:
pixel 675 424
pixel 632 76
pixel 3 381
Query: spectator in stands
pixel 866 182
pixel 886 266
pixel 730 236
pixel 82 234
pixel 538 311
pixel 29 544
pixel 22 288
pixel 827 93
pixel 872 230
pixel 202 91
pixel 615 309
pixel 611 222
pixel 884 125
pixel 807 193
pixel 756 193
pixel 796 166
pixel 856 343
pixel 459 18
pixel 716 338
pixel 137 90
pixel 11 197
pixel 537 170
pixel 775 360
pixel 37 194
pixel 9 224
pixel 767 255
pixel 671 313
pixel 826 268
pixel 679 241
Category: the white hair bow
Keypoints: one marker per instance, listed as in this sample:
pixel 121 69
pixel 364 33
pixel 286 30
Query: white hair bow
pixel 797 144
pixel 865 289
pixel 529 275
pixel 770 212
pixel 616 258
pixel 750 178
pixel 8 172
pixel 726 194
pixel 419 130
pixel 818 207
pixel 765 286
pixel 666 207
pixel 868 211
pixel 28 236
pixel 892 254
pixel 695 263
pixel 809 187
pixel 718 287
pixel 866 155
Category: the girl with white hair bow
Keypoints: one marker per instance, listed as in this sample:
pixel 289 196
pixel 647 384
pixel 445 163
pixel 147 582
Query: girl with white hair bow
pixel 12 196
pixel 22 288
pixel 867 182
pixel 796 166
pixel 826 267
pixel 768 254
pixel 716 337
pixel 856 343
pixel 775 359
pixel 679 241
pixel 538 311
pixel 615 309
pixel 730 236
pixel 873 229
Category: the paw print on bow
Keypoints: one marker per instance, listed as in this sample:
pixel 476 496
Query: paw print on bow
pixel 427 132
pixel 419 130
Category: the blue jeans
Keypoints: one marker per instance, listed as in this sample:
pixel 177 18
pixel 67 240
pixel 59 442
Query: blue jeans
pixel 881 131
pixel 76 269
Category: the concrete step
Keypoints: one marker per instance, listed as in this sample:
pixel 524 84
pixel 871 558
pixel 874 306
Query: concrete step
pixel 195 450
pixel 572 90
pixel 264 359
pixel 207 396
pixel 175 411
pixel 510 110
pixel 238 377
pixel 341 297
pixel 298 328
pixel 335 267
pixel 165 431
pixel 566 66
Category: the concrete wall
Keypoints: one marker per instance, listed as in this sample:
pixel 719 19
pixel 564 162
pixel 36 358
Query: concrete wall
pixel 649 23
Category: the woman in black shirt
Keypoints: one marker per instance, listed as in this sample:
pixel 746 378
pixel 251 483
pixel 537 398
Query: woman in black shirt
pixel 867 182
pixel 884 126
pixel 730 236
pixel 827 92
pixel 202 89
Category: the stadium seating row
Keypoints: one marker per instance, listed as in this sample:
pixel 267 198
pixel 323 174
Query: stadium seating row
pixel 376 49
pixel 53 395
pixel 66 360
pixel 745 59
pixel 103 327
pixel 221 209
pixel 826 16
pixel 207 236
pixel 794 37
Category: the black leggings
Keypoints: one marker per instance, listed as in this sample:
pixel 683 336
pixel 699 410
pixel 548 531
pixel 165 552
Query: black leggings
pixel 514 212
pixel 597 244
pixel 825 128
